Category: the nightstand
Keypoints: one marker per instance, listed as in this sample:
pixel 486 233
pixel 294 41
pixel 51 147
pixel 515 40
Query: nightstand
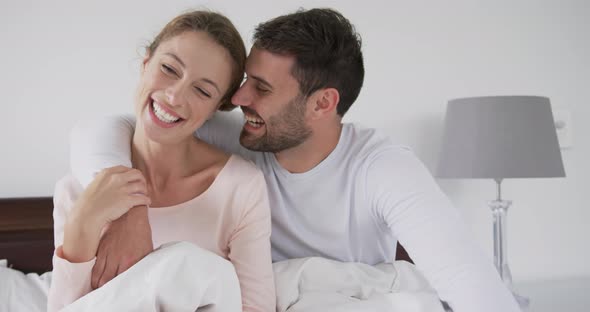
pixel 565 295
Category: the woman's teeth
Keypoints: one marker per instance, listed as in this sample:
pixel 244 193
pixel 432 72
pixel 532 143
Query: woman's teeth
pixel 162 115
pixel 253 121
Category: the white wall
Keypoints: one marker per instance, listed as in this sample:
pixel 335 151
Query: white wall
pixel 61 61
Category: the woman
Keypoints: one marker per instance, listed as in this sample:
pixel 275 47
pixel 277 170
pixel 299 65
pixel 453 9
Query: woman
pixel 203 195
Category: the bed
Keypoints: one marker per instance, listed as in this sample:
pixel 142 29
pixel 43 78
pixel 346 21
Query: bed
pixel 26 246
pixel 26 234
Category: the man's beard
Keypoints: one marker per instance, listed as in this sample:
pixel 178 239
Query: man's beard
pixel 284 131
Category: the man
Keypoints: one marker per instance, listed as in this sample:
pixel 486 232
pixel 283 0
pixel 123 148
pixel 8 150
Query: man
pixel 336 190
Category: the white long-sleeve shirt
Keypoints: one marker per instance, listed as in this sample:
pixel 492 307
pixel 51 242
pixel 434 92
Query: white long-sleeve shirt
pixel 353 206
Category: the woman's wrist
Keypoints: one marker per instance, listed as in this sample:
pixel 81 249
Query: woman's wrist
pixel 81 236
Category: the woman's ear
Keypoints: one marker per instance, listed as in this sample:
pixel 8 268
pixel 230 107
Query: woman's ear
pixel 145 60
pixel 325 101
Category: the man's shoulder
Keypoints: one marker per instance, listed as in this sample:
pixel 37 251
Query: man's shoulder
pixel 366 142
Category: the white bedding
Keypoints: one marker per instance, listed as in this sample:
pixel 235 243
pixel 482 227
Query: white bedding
pixel 318 284
pixel 182 277
pixel 22 292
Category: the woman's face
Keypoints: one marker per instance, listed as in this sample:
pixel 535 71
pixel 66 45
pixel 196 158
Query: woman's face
pixel 181 86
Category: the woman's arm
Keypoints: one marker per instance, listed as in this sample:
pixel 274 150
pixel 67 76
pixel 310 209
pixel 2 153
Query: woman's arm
pixel 250 248
pixel 79 217
pixel 70 280
pixel 110 195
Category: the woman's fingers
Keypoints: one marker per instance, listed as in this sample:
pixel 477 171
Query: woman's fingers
pixel 114 192
pixel 121 175
pixel 136 188
pixel 133 175
pixel 139 200
pixel 114 170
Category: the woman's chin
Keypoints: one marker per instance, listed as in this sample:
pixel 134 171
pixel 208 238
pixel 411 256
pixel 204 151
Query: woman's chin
pixel 158 131
pixel 154 134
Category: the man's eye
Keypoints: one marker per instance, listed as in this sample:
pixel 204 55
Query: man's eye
pixel 203 92
pixel 262 90
pixel 169 70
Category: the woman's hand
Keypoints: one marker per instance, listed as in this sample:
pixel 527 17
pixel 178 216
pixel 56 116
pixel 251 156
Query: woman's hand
pixel 112 193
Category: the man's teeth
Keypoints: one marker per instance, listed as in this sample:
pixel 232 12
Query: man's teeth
pixel 253 121
pixel 162 115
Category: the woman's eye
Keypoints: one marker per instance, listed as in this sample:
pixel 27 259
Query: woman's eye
pixel 203 92
pixel 169 70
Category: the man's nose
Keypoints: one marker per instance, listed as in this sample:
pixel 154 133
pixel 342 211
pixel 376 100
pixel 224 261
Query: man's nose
pixel 242 97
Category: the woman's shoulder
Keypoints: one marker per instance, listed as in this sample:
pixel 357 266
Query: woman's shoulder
pixel 239 166
pixel 243 167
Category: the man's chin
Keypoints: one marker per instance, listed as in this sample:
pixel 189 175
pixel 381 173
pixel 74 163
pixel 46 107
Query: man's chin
pixel 248 141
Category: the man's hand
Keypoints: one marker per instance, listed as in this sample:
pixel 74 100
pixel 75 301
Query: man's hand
pixel 126 241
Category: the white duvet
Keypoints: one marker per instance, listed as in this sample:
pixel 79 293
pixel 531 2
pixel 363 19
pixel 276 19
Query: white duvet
pixel 184 277
pixel 318 284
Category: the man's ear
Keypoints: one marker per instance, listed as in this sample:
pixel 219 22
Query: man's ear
pixel 325 101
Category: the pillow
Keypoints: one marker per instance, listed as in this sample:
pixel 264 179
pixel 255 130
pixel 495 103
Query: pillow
pixel 22 292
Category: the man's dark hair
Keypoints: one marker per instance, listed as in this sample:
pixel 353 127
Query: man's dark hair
pixel 326 47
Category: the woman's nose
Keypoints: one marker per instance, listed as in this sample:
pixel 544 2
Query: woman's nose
pixel 175 94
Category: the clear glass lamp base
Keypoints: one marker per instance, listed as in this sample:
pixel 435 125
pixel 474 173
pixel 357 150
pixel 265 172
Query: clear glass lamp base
pixel 499 209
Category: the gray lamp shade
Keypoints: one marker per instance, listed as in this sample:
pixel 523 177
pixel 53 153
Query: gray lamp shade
pixel 500 137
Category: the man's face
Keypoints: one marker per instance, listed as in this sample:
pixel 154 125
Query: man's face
pixel 274 110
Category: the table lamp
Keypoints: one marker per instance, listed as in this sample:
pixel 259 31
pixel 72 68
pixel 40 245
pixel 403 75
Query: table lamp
pixel 500 137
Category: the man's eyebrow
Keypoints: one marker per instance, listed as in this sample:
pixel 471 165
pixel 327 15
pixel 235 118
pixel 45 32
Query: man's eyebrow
pixel 262 81
pixel 172 55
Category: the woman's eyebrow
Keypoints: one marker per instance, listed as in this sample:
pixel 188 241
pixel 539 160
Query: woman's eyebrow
pixel 206 80
pixel 172 55
pixel 209 81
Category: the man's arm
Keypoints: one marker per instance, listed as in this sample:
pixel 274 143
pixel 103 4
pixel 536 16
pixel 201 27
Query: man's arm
pixel 102 143
pixel 223 131
pixel 404 195
pixel 127 241
pixel 106 142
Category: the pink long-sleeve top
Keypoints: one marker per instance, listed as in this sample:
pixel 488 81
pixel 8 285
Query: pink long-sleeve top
pixel 231 218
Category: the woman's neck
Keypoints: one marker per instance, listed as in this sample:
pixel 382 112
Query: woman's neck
pixel 161 163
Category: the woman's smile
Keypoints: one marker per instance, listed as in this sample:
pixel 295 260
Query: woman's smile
pixel 162 116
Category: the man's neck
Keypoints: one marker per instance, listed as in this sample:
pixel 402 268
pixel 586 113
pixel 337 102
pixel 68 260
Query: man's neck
pixel 313 151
